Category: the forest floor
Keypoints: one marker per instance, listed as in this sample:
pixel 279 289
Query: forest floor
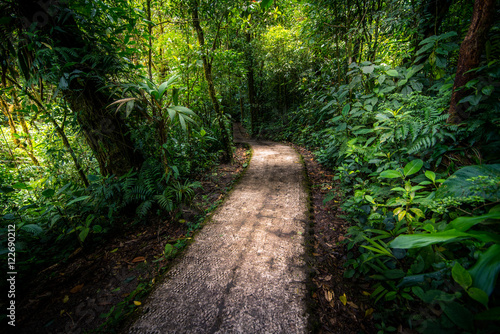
pixel 78 295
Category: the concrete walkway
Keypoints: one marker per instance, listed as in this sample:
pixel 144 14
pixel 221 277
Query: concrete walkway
pixel 245 272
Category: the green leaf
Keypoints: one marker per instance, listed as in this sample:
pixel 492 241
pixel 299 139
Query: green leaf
pixel 265 4
pixel 368 69
pixel 390 174
pixel 458 314
pixel 79 199
pixel 379 248
pixel 412 167
pixel 83 234
pixel 20 185
pixel 418 266
pixel 487 90
pixel 493 314
pixel 418 212
pixel 472 99
pixel 171 114
pixel 430 175
pixel 425 48
pixel 413 280
pixel 425 239
pixel 465 223
pixel 478 295
pixel 162 89
pixel 394 273
pixel 431 296
pixel 392 73
pixel 48 193
pixel 459 185
pixel 168 250
pixel 369 199
pixel 175 96
pixel 346 109
pixel 484 273
pixel 33 229
pixel 461 276
pixel 413 70
pixel 184 110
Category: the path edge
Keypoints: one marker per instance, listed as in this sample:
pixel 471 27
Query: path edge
pixel 125 327
pixel 313 323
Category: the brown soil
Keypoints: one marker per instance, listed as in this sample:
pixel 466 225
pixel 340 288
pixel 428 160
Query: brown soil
pixel 329 254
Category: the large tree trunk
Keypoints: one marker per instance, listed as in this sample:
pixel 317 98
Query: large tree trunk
pixel 207 68
pixel 105 132
pixel 470 56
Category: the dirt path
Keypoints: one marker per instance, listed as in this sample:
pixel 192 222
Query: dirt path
pixel 245 273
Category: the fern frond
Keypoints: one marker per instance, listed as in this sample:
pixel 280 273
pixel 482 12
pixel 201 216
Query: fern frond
pixel 143 209
pixel 33 229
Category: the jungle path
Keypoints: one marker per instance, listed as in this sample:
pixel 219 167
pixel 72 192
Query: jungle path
pixel 245 272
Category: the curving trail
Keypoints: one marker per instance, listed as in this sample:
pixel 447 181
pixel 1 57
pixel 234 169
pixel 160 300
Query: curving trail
pixel 245 272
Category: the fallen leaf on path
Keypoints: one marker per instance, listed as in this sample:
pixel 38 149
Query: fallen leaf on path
pixel 351 304
pixel 366 293
pixel 137 303
pixel 329 295
pixel 138 259
pixel 77 288
pixel 65 299
pixel 343 299
pixel 368 312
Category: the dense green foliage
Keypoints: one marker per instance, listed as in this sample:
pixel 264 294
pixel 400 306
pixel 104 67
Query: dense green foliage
pixel 112 108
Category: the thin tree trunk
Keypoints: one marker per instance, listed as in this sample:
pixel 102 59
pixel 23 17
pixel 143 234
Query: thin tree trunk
pixel 64 138
pixel 69 149
pixel 251 87
pixel 207 67
pixel 469 57
pixel 150 44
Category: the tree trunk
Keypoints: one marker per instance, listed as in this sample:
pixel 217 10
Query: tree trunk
pixel 69 149
pixel 207 68
pixel 436 11
pixel 105 132
pixel 470 56
pixel 251 87
pixel 150 45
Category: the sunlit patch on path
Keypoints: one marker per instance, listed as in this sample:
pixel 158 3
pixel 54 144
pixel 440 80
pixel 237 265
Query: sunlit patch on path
pixel 245 273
